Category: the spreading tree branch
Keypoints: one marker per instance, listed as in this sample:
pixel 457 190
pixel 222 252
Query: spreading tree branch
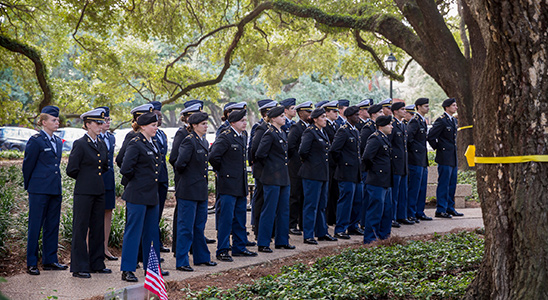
pixel 78 25
pixel 39 66
pixel 376 58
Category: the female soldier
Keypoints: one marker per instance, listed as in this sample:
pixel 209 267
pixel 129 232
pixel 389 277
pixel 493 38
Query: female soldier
pixel 42 179
pixel 141 167
pixel 275 179
pixel 314 153
pixel 191 192
pixel 87 161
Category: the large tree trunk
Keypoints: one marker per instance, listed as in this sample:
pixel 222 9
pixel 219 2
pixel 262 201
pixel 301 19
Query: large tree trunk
pixel 511 110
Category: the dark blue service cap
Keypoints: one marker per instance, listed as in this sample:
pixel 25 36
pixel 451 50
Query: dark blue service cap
pixel 147 118
pixel 51 110
pixel 344 102
pixel 157 105
pixel 227 105
pixel 288 102
pixel 106 109
pixel 319 104
pixel 192 102
pixel 263 102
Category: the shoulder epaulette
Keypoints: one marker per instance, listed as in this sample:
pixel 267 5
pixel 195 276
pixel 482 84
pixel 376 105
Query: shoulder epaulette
pixel 345 125
pixel 36 135
pixel 135 139
pixel 376 133
pixel 368 122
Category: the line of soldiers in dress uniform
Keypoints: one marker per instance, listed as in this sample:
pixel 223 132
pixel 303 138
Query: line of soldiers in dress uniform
pixel 361 168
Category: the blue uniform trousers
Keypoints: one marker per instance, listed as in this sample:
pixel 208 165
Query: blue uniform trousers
pixel 395 193
pixel 315 202
pixel 447 184
pixel 44 213
pixel 418 180
pixel 365 202
pixel 231 218
pixel 347 194
pixel 275 211
pixel 141 227
pixel 378 221
pixel 191 222
pixel 162 195
pixel 401 209
pixel 357 204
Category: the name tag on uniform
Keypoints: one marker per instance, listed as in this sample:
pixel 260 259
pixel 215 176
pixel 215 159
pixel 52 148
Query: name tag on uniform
pixel 385 147
pixel 234 145
pixel 422 130
pixel 351 140
pixel 150 152
pixel 321 140
pixel 398 133
pixel 281 141
pixel 200 151
pixel 448 128
pixel 47 149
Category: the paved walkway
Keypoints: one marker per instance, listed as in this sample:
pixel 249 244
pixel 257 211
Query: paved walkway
pixel 62 285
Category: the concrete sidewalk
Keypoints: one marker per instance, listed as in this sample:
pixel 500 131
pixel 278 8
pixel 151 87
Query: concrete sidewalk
pixel 62 285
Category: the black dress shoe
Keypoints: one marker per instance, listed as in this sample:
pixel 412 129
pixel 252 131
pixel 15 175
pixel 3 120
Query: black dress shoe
pixel 165 273
pixel 310 241
pixel 250 244
pixel 405 222
pixel 396 224
pixel 33 270
pixel 108 257
pixel 244 253
pixel 207 264
pixel 224 256
pixel 287 247
pixel 265 249
pixel 342 235
pixel 162 259
pixel 355 231
pixel 129 276
pixel 164 249
pixel 443 215
pixel 424 218
pixel 412 219
pixel 102 271
pixel 327 237
pixel 81 275
pixel 185 269
pixel 54 266
pixel 210 241
pixel 295 231
pixel 455 213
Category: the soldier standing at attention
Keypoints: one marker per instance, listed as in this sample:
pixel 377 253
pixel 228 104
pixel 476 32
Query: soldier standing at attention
pixel 272 152
pixel 314 152
pixel 443 138
pixel 228 159
pixel 87 161
pixel 42 180
pixel 229 107
pixel 136 112
pixel 418 161
pixel 108 178
pixel 386 104
pixel 290 112
pixel 409 114
pixel 296 195
pixel 377 159
pixel 363 114
pixel 343 104
pixel 345 151
pixel 332 112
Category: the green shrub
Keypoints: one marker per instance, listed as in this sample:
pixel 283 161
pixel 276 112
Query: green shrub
pixel 432 158
pixel 118 225
pixel 11 154
pixel 469 177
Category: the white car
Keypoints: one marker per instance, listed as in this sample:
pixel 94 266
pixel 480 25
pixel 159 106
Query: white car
pixel 69 135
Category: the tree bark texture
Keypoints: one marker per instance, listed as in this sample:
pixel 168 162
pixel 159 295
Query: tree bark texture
pixel 511 107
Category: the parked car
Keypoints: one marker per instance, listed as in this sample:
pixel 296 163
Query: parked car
pixel 15 138
pixel 69 135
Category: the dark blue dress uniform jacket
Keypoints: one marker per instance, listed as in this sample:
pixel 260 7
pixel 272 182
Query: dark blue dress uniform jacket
pixel 367 130
pixel 314 152
pixel 86 164
pixel 398 140
pixel 443 138
pixel 256 164
pixel 160 140
pixel 377 159
pixel 41 171
pixel 141 166
pixel 330 130
pixel 273 153
pixel 120 157
pixel 228 158
pixel 180 135
pixel 345 151
pixel 191 164
pixel 108 175
pixel 293 143
pixel 416 141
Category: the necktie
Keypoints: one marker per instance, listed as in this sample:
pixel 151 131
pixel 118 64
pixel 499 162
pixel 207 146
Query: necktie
pixel 53 144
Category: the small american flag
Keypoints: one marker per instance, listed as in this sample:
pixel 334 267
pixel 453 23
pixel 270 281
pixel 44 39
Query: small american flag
pixel 154 281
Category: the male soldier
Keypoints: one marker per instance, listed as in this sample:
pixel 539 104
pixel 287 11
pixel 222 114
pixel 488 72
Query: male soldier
pixel 409 114
pixel 343 105
pixel 257 132
pixel 364 115
pixel 289 112
pixel 228 108
pixel 386 106
pixel 443 138
pixel 377 158
pixel 331 112
pixel 296 195
pixel 418 162
pixel 398 140
pixel 345 151
pixel 228 159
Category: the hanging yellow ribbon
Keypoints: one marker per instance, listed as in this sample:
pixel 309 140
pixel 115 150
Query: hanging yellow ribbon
pixel 473 160
pixel 464 127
